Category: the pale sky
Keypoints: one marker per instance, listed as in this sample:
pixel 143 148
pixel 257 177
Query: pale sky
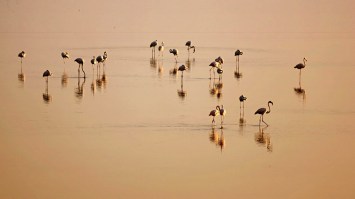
pixel 177 16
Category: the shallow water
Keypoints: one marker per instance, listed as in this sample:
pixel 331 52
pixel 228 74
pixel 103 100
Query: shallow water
pixel 133 136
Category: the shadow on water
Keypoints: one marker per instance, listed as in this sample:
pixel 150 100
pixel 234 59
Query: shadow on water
pixel 64 79
pixel 217 138
pixel 301 93
pixel 47 98
pixel 263 139
pixel 242 120
pixel 174 70
pixel 160 68
pixel 189 63
pixel 153 63
pixel 79 90
pixel 182 93
pixel 215 89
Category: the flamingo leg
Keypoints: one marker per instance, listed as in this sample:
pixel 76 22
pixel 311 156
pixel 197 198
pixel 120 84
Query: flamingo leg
pixel 79 71
pixel 263 120
pixel 82 68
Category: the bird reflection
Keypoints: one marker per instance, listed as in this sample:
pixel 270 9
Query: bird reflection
pixel 217 139
pixel 300 92
pixel 190 63
pixel 182 93
pixel 64 79
pixel 153 62
pixel 79 91
pixel 21 76
pixel 174 70
pixel 216 88
pixel 263 139
pixel 93 84
pixel 101 80
pixel 160 68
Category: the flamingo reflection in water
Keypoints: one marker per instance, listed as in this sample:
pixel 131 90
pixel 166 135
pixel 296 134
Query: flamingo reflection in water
pixel 263 139
pixel 79 90
pixel 216 88
pixel 46 96
pixel 217 139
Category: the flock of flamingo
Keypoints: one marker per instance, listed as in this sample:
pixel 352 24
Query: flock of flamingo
pixel 216 65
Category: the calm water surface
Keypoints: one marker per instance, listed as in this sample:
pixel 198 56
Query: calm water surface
pixel 132 134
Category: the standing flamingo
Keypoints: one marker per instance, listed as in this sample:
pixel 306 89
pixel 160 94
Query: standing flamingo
pixel 161 49
pixel 220 60
pixel 237 54
pixel 262 111
pixel 214 113
pixel 93 62
pixel 175 52
pixel 47 74
pixel 189 46
pixel 222 113
pixel 65 55
pixel 80 61
pixel 182 68
pixel 22 55
pixel 241 100
pixel 300 66
pixel 152 45
pixel 214 65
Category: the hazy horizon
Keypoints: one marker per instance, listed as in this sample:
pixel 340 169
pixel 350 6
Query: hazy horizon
pixel 177 16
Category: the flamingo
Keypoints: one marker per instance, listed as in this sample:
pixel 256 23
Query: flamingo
pixel 189 46
pixel 182 68
pixel 46 96
pixel 104 57
pixel 214 113
pixel 219 60
pixel 80 61
pixel 161 49
pixel 300 66
pixel 237 54
pixel 99 60
pixel 262 111
pixel 47 74
pixel 220 72
pixel 241 100
pixel 93 62
pixel 22 55
pixel 65 55
pixel 213 65
pixel 222 113
pixel 175 52
pixel 152 45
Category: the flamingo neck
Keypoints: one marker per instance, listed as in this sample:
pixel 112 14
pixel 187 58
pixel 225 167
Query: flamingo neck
pixel 269 108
